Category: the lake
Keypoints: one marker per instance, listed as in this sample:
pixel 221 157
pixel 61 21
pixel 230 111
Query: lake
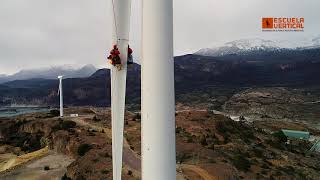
pixel 14 111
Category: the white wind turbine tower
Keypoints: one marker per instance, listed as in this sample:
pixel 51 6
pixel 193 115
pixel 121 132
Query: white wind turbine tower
pixel 158 96
pixel 158 104
pixel 60 92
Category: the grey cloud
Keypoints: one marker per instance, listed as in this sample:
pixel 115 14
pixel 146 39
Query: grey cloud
pixel 38 33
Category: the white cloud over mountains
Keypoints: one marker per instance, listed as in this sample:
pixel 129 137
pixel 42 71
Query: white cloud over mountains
pixel 38 33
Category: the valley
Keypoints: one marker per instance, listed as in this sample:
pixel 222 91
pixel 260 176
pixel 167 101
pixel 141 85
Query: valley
pixel 209 146
pixel 231 103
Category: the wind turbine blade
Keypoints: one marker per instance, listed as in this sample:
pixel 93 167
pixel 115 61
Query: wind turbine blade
pixel 59 88
pixel 117 107
pixel 118 82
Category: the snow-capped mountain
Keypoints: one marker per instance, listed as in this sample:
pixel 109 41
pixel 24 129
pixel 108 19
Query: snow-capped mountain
pixel 240 46
pixel 254 45
pixel 316 41
pixel 70 71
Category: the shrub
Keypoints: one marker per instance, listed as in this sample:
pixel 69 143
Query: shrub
pixel 278 140
pixel 178 130
pixel 96 119
pixel 203 140
pixel 289 170
pixel 105 171
pixel 247 134
pixel 44 142
pixel 258 152
pixel 280 137
pixel 83 149
pixel 222 127
pixel 65 177
pixel 68 124
pixel 54 113
pixel 189 139
pixel 241 163
pixel 64 125
pixel 265 166
pixel 264 172
pixel 211 146
pixel 137 116
pixel 242 118
pixel 182 157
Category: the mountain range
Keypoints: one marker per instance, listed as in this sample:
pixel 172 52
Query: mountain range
pixel 50 73
pixel 258 67
pixel 254 46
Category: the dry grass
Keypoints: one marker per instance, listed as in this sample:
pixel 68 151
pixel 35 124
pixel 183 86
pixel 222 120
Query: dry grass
pixel 13 162
pixel 276 162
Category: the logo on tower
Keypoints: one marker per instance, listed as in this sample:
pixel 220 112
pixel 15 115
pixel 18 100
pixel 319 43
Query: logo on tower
pixel 267 23
pixel 283 24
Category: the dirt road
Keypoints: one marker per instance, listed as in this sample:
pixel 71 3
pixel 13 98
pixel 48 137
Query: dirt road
pixel 34 170
pixel 201 172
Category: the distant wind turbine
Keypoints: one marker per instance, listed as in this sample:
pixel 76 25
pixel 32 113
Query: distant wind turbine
pixel 61 95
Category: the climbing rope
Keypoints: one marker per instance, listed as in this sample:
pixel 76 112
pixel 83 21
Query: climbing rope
pixel 115 21
pixel 117 38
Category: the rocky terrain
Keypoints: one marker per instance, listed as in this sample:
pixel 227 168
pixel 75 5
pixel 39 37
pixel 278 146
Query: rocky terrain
pixel 276 103
pixel 209 146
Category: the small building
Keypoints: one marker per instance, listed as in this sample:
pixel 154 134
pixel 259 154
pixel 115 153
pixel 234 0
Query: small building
pixel 292 134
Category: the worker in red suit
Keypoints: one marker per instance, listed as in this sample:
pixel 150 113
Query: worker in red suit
pixel 114 57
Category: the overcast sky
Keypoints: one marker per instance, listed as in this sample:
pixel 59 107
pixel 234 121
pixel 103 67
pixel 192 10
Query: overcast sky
pixel 41 33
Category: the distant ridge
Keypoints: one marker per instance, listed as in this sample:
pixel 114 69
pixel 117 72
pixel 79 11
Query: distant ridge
pixel 51 73
pixel 255 46
pixel 290 68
